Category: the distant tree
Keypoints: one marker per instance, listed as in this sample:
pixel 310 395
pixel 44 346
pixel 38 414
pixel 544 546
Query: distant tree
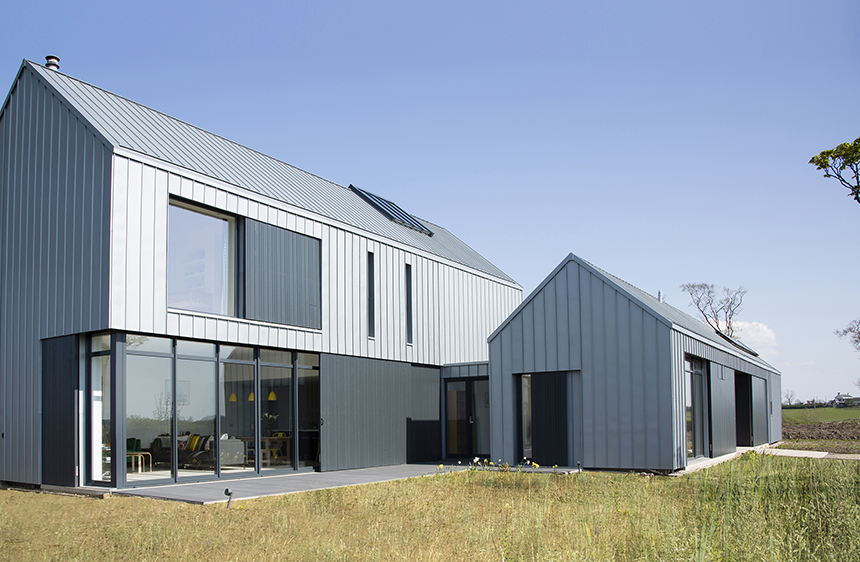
pixel 718 312
pixel 788 397
pixel 842 163
pixel 852 332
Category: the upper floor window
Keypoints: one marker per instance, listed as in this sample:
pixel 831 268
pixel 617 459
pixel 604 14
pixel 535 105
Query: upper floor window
pixel 371 296
pixel 201 258
pixel 408 303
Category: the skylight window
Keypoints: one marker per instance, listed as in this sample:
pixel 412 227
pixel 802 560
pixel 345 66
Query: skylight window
pixel 392 211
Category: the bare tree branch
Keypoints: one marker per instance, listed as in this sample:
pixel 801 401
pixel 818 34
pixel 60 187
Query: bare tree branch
pixel 719 314
pixel 852 332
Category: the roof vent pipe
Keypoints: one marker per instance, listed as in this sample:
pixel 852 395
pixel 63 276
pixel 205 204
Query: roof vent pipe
pixel 660 296
pixel 52 62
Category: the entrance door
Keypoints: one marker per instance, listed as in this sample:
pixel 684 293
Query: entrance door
pixel 468 417
pixel 695 410
pixel 543 418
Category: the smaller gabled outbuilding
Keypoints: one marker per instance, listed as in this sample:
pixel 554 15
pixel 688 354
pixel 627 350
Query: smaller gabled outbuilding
pixel 591 370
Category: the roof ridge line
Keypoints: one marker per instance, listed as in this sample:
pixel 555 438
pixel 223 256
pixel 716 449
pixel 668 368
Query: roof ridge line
pixel 176 119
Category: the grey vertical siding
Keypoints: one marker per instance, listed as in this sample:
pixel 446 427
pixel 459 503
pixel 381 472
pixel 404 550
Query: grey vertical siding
pixel 54 230
pixel 760 410
pixel 454 308
pixel 623 387
pixel 365 404
pixel 723 413
pixel 282 276
pixel 775 409
pixel 722 418
pixel 574 418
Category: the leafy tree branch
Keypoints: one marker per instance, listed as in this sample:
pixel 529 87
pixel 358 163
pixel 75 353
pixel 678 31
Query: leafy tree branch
pixel 842 163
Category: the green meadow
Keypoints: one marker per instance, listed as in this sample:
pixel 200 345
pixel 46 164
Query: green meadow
pixel 757 507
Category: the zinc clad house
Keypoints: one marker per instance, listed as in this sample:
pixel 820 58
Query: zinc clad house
pixel 590 370
pixel 176 307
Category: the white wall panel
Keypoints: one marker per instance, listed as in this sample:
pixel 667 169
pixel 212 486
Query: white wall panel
pixel 454 309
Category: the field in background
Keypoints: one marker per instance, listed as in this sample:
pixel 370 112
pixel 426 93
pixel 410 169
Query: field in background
pixel 834 430
pixel 817 415
pixel 757 507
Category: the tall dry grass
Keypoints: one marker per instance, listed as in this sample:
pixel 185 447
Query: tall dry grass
pixel 754 508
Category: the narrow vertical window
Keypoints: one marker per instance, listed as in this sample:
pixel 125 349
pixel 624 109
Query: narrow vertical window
pixel 371 301
pixel 408 303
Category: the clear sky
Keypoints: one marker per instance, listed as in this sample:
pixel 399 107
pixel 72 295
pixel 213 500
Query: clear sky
pixel 665 142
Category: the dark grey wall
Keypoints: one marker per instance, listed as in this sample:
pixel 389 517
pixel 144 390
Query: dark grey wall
pixel 722 422
pixel 54 227
pixel 60 359
pixel 760 411
pixel 282 276
pixel 579 322
pixel 365 404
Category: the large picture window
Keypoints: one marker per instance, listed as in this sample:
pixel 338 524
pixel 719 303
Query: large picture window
pixel 200 260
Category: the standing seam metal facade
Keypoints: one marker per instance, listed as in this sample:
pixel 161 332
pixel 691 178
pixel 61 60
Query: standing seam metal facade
pixel 723 432
pixel 626 385
pixel 282 276
pixel 453 309
pixel 54 220
pixel 84 249
pixel 615 351
pixel 365 404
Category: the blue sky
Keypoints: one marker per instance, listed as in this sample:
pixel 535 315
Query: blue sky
pixel 665 142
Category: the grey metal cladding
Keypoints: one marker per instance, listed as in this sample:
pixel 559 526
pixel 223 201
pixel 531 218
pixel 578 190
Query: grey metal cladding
pixel 365 404
pixel 664 312
pixel 775 386
pixel 282 276
pixel 617 351
pixel 54 232
pixel 760 411
pixel 135 127
pixel 722 404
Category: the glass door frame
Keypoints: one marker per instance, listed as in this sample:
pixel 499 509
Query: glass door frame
pixel 471 414
pixel 88 444
pixel 300 362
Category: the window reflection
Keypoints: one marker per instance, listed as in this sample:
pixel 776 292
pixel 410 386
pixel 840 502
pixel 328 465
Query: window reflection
pixel 149 417
pixel 195 417
pixel 200 256
pixel 237 417
pixel 100 418
pixel 276 445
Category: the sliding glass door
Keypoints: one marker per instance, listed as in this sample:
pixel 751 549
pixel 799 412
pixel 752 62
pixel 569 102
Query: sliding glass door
pixel 194 410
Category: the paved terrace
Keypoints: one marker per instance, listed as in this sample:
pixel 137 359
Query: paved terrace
pixel 248 488
pixel 203 493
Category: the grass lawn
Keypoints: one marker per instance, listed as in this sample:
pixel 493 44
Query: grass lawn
pixel 757 507
pixel 817 415
pixel 844 446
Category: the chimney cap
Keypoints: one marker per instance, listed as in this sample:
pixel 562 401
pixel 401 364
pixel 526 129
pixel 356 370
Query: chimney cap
pixel 52 62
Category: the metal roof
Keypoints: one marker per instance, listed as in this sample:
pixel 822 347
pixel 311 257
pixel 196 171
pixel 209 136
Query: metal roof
pixel 127 124
pixel 667 313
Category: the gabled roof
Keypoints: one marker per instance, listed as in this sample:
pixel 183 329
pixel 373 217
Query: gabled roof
pixel 664 312
pixel 129 125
